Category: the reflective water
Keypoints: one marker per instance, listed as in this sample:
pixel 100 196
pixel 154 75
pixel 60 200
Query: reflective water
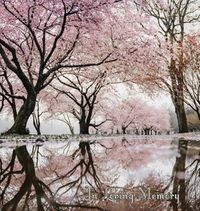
pixel 113 173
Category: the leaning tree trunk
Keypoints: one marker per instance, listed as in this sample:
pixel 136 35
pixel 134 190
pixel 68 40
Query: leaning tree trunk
pixel 124 129
pixel 19 126
pixel 37 128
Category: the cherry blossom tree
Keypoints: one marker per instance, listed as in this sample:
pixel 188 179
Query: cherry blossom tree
pixel 39 38
pixel 192 74
pixel 155 119
pixel 138 116
pixel 174 20
pixel 126 114
pixel 82 93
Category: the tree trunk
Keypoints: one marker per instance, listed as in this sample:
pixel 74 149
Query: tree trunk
pixel 177 92
pixel 84 127
pixel 36 123
pixel 19 126
pixel 124 130
pixel 198 114
pixel 146 131
pixel 71 128
pixel 38 131
pixel 181 116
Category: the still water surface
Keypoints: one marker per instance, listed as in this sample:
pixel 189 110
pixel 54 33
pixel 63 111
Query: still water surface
pixel 100 173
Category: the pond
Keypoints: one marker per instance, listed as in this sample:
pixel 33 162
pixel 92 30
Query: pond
pixel 121 173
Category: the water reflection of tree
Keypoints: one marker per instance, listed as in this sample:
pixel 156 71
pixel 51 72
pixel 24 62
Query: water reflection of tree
pixel 185 180
pixel 179 183
pixel 83 173
pixel 32 191
pixel 25 187
pixel 28 169
pixel 193 183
